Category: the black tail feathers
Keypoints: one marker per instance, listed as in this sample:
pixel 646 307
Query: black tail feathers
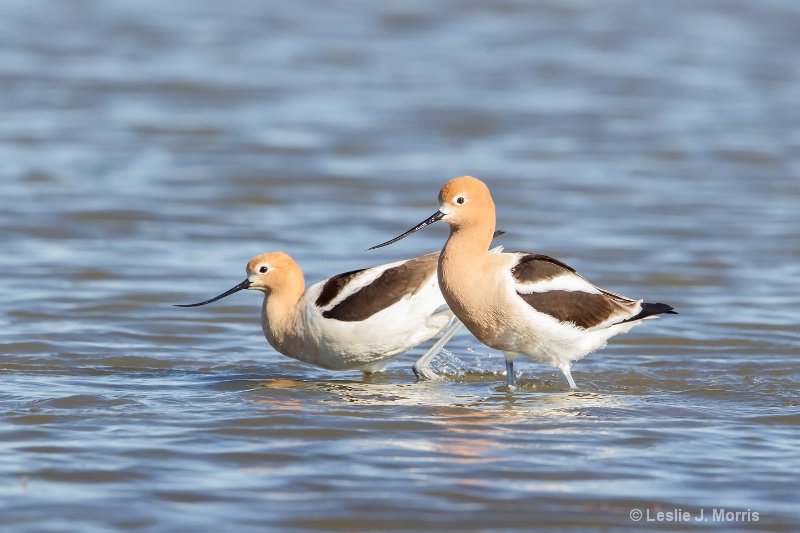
pixel 651 309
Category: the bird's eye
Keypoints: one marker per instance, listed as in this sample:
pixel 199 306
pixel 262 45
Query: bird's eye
pixel 460 200
pixel 263 269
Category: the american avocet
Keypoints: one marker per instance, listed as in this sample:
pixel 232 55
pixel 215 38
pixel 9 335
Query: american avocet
pixel 519 302
pixel 356 320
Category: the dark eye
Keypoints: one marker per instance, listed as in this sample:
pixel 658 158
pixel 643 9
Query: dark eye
pixel 263 269
pixel 460 200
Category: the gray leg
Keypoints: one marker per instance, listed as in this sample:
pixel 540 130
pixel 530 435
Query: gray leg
pixel 565 370
pixel 510 378
pixel 421 368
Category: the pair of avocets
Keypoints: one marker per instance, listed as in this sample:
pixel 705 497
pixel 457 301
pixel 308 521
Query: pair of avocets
pixel 515 302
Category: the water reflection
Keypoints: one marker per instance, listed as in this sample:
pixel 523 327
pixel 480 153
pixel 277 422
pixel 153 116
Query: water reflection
pixel 438 399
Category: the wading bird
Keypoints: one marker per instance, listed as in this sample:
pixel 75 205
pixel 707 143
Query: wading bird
pixel 356 320
pixel 519 302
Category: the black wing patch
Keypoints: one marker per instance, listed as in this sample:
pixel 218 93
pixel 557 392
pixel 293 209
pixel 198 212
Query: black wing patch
pixel 583 309
pixel 388 288
pixel 535 267
pixel 334 286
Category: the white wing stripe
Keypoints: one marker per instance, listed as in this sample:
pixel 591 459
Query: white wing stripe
pixel 567 282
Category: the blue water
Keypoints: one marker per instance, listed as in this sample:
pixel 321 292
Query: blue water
pixel 149 149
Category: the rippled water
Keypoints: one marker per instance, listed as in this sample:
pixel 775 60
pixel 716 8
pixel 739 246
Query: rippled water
pixel 149 149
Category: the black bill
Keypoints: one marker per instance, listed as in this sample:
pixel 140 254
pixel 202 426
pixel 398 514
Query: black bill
pixel 240 287
pixel 438 215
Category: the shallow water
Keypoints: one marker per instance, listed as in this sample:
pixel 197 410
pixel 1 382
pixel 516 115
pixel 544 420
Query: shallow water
pixel 149 149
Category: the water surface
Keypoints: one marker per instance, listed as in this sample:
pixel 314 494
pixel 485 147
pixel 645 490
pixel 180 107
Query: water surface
pixel 149 149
